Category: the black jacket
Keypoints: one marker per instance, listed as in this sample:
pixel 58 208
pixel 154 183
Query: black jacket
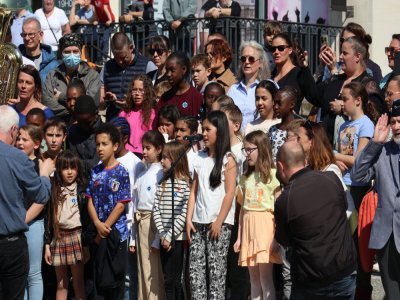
pixel 310 217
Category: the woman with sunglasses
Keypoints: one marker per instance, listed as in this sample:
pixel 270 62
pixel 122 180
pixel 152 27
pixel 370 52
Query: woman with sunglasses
pixel 288 71
pixel 393 54
pixel 159 50
pixel 253 69
pixel 328 57
pixel 353 56
pixel 220 55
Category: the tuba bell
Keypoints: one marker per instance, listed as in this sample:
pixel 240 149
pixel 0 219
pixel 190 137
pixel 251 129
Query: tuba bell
pixel 10 60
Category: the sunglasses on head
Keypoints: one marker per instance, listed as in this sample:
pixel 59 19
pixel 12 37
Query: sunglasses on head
pixel 159 51
pixel 250 59
pixel 308 125
pixel 280 48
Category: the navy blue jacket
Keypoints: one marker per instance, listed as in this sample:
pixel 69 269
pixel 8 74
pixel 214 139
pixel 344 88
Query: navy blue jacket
pixel 49 60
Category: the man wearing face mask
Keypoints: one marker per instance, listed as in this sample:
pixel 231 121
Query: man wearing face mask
pixel 379 160
pixel 71 68
pixel 118 72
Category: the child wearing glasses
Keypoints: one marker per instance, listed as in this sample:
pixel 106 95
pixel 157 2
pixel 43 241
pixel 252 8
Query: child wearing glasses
pixel 139 111
pixel 258 189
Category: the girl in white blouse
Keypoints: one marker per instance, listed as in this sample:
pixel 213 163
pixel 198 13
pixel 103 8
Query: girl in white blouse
pixel 211 210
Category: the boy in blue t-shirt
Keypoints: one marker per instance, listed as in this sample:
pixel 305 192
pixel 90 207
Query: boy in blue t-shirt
pixel 108 193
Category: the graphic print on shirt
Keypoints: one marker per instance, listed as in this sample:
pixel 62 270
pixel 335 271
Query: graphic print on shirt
pixel 346 144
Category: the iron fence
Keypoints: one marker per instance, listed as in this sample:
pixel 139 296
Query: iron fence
pixel 192 35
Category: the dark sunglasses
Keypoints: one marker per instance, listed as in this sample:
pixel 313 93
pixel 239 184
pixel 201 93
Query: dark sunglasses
pixel 159 51
pixel 391 50
pixel 280 48
pixel 251 59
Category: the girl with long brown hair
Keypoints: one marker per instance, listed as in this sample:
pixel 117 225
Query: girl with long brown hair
pixel 65 220
pixel 258 189
pixel 171 253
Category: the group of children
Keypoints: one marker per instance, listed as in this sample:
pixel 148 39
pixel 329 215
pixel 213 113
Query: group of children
pixel 129 205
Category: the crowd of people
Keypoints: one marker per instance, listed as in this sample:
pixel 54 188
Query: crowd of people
pixel 169 177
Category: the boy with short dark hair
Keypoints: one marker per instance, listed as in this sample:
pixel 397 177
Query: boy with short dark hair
pixel 201 69
pixel 108 194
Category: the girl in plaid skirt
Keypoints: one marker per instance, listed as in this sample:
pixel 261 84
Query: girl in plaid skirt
pixel 63 247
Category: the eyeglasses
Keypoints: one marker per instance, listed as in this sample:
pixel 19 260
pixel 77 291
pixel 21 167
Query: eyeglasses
pixel 391 50
pixel 159 51
pixel 29 35
pixel 280 48
pixel 251 59
pixel 137 91
pixel 390 94
pixel 248 151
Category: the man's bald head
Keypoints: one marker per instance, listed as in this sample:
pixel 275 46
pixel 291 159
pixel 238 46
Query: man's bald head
pixel 290 159
pixel 292 155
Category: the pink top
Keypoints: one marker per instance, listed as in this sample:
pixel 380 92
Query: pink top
pixel 138 129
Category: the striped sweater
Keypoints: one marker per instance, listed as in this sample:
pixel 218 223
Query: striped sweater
pixel 162 209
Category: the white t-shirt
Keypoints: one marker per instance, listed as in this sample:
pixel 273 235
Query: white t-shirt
pixel 56 21
pixel 131 163
pixel 209 200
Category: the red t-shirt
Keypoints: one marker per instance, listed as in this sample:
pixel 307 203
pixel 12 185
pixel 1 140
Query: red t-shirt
pixel 188 103
pixel 100 11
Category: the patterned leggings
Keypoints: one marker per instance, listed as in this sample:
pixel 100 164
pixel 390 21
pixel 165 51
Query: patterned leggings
pixel 208 263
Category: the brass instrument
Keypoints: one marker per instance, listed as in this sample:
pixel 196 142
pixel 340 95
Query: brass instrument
pixel 10 61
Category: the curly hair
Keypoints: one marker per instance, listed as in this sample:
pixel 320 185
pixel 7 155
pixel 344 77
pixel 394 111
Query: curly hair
pixel 149 98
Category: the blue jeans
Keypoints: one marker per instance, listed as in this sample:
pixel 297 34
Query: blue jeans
pixel 342 289
pixel 34 236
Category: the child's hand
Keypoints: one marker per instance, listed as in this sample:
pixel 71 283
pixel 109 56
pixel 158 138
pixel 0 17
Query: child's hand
pixel 103 229
pixel 47 254
pixel 189 229
pixel 162 129
pixel 132 249
pixel 236 246
pixel 215 230
pixel 275 248
pixel 166 245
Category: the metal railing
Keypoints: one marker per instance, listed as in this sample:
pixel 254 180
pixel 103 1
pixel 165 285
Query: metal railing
pixel 192 35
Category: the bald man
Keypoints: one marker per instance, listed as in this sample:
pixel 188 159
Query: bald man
pixel 310 218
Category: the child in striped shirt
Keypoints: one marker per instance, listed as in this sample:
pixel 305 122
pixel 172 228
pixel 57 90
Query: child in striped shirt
pixel 172 252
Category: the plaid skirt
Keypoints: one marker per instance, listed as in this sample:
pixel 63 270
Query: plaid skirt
pixel 67 250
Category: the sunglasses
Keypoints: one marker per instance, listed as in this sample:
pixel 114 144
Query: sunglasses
pixel 391 50
pixel 250 59
pixel 159 51
pixel 280 48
